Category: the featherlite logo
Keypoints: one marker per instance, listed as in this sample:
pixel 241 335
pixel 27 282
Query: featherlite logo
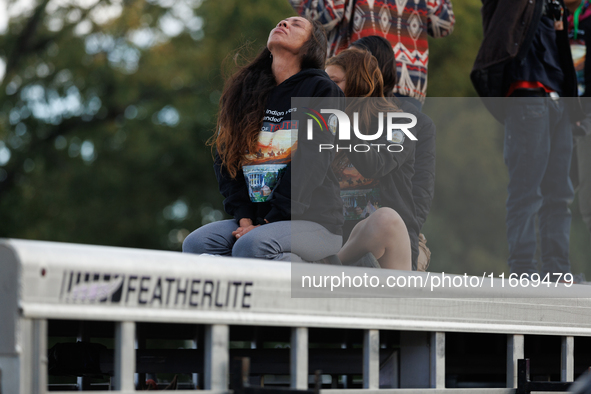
pixel 154 290
pixel 339 120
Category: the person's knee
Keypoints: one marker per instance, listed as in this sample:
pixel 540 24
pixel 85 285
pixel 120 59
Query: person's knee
pixel 193 244
pixel 213 238
pixel 387 222
pixel 250 246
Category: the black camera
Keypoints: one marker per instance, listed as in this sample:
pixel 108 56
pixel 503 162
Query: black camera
pixel 553 9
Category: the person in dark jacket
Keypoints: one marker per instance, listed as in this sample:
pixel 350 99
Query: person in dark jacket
pixel 580 34
pixel 375 184
pixel 279 213
pixel 423 180
pixel 525 56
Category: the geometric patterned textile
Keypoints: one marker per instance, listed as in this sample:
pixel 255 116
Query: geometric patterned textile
pixel 404 23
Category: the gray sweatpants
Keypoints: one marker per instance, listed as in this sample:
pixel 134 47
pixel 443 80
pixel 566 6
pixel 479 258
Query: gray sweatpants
pixel 295 240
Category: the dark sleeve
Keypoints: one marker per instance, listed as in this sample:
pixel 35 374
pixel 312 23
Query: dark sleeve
pixel 423 181
pixel 235 191
pixel 586 25
pixel 379 161
pixel 308 168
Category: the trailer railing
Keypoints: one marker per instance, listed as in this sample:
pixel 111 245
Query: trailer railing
pixel 43 282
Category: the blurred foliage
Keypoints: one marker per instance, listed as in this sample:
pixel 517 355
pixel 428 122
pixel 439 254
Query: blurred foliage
pixel 466 226
pixel 451 58
pixel 106 106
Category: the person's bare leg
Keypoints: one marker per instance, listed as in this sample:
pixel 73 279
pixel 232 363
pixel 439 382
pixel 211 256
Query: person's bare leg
pixel 384 234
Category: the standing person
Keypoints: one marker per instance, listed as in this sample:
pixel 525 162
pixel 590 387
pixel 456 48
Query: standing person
pixel 423 180
pixel 579 23
pixel 375 185
pixel 525 55
pixel 278 213
pixel 404 23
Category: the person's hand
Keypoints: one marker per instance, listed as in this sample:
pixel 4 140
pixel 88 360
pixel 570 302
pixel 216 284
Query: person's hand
pixel 243 230
pixel 245 226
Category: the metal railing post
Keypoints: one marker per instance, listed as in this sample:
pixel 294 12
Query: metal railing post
pixel 39 356
pixel 124 356
pixel 371 359
pixel 299 358
pixel 217 356
pixel 437 364
pixel 515 351
pixel 567 359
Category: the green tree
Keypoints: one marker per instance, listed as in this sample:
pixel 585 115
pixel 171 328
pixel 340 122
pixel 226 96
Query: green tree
pixel 105 110
pixel 451 58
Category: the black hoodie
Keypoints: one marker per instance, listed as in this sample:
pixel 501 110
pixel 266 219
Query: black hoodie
pixel 287 178
pixel 379 178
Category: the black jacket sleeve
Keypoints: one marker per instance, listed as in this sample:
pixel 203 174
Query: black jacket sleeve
pixel 423 181
pixel 235 191
pixel 379 161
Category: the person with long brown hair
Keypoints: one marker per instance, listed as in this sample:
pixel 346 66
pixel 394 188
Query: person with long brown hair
pixel 423 180
pixel 375 185
pixel 279 213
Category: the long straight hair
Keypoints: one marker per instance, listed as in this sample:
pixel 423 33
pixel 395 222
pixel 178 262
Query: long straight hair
pixel 381 49
pixel 244 98
pixel 363 79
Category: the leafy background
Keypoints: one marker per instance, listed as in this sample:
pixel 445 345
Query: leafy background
pixel 106 105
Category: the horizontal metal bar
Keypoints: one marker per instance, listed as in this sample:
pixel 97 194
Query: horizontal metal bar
pixel 268 361
pixel 418 391
pixel 135 392
pixel 345 391
pixel 67 281
pixel 548 386
pixel 80 312
pixel 273 390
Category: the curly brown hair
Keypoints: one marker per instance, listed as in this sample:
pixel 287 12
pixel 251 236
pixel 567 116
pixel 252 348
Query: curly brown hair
pixel 244 98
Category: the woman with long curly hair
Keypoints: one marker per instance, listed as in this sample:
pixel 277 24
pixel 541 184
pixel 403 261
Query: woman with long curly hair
pixel 375 185
pixel 279 212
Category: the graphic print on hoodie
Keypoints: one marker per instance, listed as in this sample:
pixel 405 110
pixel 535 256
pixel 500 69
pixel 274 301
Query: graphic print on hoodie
pixel 277 141
pixel 361 195
pixel 285 177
